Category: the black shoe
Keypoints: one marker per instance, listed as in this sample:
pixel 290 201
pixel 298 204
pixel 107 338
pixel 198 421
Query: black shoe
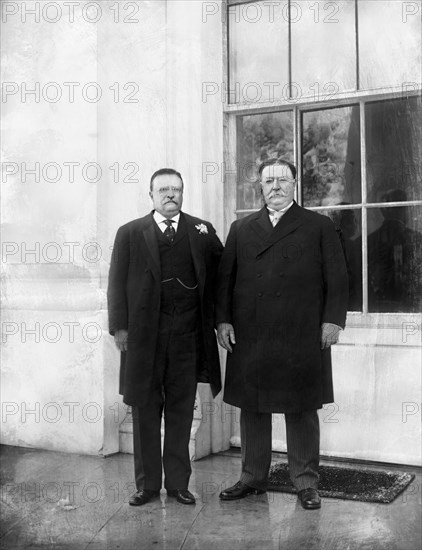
pixel 142 497
pixel 182 495
pixel 309 499
pixel 239 490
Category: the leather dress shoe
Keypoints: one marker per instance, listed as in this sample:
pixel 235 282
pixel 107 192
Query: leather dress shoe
pixel 142 497
pixel 182 495
pixel 239 490
pixel 309 499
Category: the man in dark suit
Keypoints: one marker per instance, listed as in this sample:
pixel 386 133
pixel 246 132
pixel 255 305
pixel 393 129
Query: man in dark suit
pixel 282 299
pixel 161 298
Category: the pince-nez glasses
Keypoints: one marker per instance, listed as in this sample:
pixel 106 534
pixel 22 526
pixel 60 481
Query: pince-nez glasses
pixel 166 190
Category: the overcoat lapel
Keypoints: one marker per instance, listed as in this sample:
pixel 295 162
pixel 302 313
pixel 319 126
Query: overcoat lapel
pixel 289 222
pixel 152 244
pixel 261 224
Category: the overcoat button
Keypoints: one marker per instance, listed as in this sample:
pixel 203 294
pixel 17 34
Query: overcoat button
pixel 259 275
pixel 278 294
pixel 260 294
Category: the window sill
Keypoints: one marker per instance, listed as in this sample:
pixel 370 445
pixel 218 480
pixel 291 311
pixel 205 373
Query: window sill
pixel 357 319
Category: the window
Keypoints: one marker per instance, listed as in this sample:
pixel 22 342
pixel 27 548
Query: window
pixel 343 102
pixel 252 67
pixel 389 43
pixel 311 48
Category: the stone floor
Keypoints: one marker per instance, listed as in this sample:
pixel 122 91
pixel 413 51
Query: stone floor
pixel 65 501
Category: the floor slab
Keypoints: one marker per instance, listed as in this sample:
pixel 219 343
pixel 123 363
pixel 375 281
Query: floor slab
pixel 72 502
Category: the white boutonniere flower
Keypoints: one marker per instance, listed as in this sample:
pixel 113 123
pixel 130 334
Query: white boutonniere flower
pixel 203 229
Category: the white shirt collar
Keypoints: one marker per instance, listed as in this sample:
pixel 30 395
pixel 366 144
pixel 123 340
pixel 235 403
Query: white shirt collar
pixel 271 211
pixel 160 219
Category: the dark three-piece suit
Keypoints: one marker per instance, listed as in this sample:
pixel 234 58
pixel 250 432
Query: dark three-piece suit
pixel 163 294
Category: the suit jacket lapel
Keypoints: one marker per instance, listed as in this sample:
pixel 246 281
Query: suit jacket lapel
pixel 181 230
pixel 152 244
pixel 196 251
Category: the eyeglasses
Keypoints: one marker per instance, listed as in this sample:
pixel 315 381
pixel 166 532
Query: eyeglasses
pixel 166 190
pixel 271 181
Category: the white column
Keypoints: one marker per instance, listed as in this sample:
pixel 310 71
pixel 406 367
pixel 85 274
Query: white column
pixel 52 358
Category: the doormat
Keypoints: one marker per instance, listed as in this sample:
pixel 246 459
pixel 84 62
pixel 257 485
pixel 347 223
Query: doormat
pixel 347 483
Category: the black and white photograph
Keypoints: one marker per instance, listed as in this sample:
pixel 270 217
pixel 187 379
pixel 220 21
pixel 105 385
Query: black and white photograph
pixel 211 275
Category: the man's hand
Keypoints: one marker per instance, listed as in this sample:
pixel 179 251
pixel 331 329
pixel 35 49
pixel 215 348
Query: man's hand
pixel 329 334
pixel 225 336
pixel 120 339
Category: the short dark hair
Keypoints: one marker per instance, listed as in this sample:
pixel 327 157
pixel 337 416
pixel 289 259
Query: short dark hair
pixel 164 172
pixel 276 161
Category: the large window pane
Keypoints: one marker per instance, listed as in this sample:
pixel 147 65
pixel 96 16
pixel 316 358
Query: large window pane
pixel 323 47
pixel 348 226
pixel 394 149
pixel 260 137
pixel 394 259
pixel 389 43
pixel 258 52
pixel 331 157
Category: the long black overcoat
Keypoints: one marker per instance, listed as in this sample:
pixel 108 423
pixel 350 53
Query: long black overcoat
pixel 277 286
pixel 134 301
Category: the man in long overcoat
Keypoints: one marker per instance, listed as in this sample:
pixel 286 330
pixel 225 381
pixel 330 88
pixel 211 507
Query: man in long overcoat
pixel 161 297
pixel 282 300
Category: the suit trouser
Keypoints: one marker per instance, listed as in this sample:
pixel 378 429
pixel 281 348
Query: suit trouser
pixel 173 391
pixel 302 430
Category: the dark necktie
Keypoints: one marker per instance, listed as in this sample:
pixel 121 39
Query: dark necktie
pixel 169 231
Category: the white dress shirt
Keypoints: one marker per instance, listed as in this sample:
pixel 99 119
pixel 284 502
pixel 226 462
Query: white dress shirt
pixel 161 221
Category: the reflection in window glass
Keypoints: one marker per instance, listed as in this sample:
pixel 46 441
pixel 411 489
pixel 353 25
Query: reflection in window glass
pixel 260 137
pixel 258 52
pixel 394 259
pixel 389 43
pixel 394 149
pixel 331 157
pixel 328 65
pixel 348 226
